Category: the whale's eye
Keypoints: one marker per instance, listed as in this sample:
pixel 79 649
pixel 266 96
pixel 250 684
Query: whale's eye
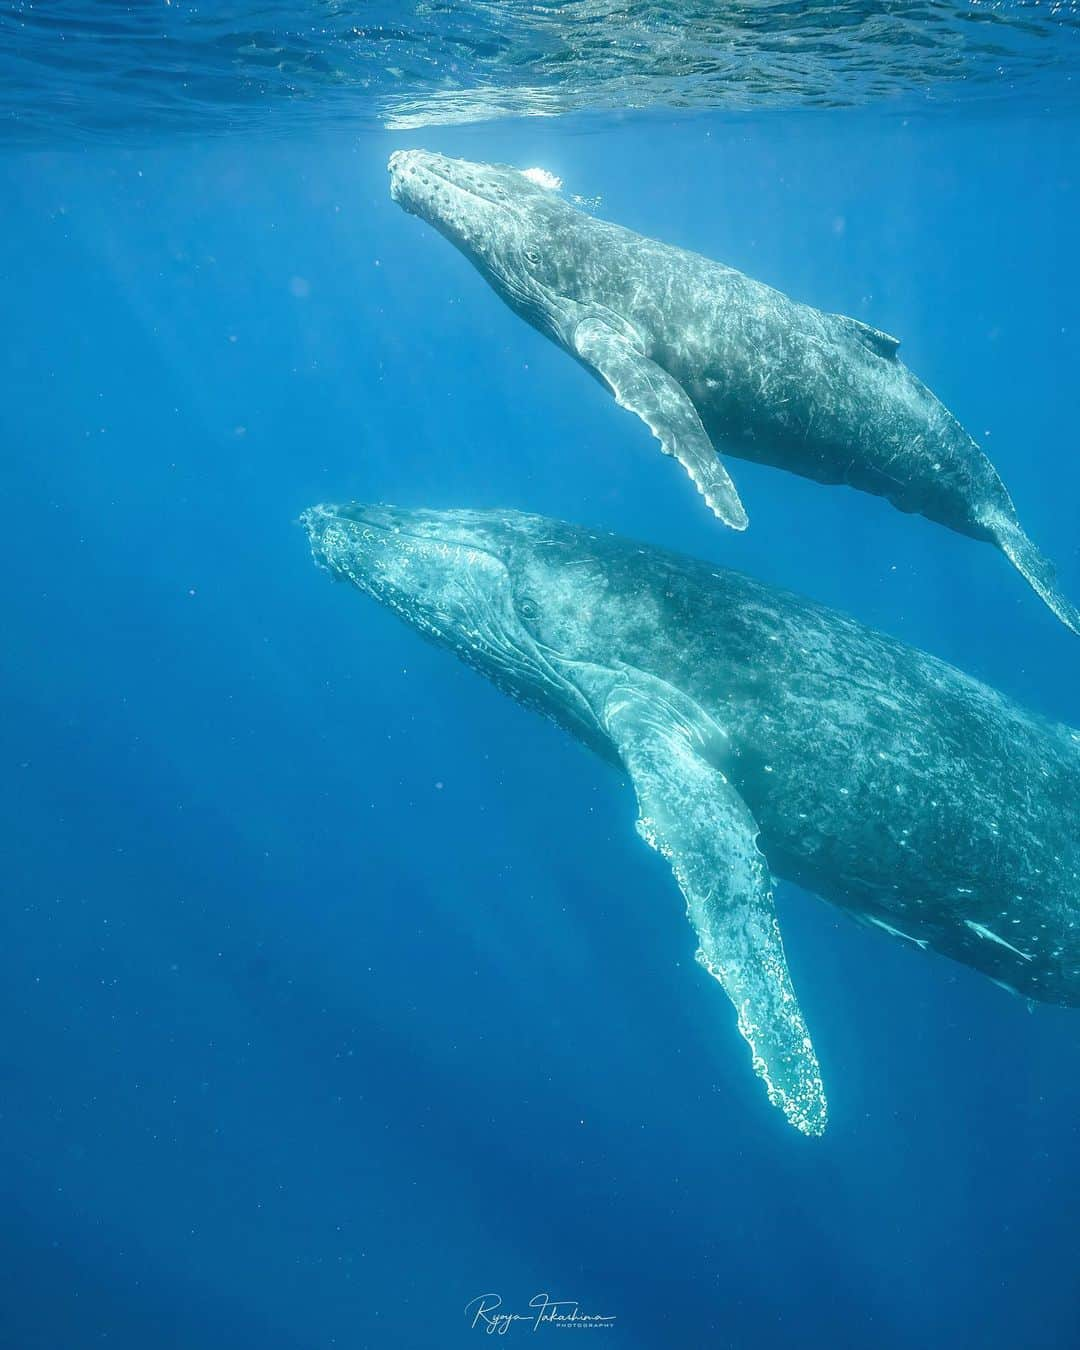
pixel 528 608
pixel 532 257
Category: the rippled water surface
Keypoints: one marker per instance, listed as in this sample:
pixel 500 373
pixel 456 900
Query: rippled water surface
pixel 71 69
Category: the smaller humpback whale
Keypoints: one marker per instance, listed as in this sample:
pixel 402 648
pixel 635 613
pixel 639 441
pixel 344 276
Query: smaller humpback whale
pixel 712 360
pixel 761 733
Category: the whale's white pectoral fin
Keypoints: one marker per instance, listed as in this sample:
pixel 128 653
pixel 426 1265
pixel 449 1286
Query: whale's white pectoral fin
pixel 693 816
pixel 665 407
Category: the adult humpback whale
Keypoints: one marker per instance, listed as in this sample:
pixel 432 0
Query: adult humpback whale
pixel 708 357
pixel 761 732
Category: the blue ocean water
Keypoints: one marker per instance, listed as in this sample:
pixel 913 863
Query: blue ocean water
pixel 339 990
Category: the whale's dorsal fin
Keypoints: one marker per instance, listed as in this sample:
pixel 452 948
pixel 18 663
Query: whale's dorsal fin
pixel 664 406
pixel 881 344
pixel 691 814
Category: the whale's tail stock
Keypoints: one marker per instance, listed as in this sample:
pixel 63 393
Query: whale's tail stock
pixel 1036 570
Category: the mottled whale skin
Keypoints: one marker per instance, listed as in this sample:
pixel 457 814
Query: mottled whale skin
pixel 714 361
pixel 763 734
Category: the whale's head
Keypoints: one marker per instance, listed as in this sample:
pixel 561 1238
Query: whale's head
pixel 511 223
pixel 477 582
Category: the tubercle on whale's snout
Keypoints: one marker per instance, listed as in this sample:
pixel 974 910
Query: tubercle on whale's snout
pixel 398 168
pixel 314 520
pixel 396 189
pixel 414 175
pixel 338 536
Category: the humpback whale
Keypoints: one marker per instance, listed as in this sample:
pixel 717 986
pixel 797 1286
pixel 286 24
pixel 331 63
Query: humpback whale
pixel 714 361
pixel 763 734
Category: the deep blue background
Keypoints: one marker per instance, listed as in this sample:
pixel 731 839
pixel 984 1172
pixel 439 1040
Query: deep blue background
pixel 337 990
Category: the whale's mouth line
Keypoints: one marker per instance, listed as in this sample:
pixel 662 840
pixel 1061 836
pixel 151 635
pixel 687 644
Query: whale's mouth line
pixel 395 531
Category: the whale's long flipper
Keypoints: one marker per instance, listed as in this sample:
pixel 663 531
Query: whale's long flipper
pixel 1032 566
pixel 665 407
pixel 693 816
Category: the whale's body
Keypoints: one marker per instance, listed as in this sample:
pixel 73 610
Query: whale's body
pixel 714 361
pixel 763 734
